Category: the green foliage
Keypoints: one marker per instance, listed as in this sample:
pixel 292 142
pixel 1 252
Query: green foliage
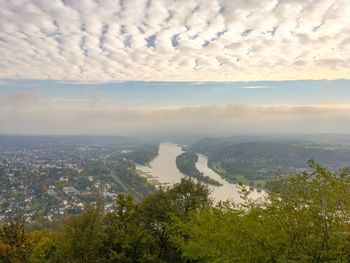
pixel 43 247
pixel 143 154
pixel 160 209
pixel 186 163
pixel 259 158
pixel 14 245
pixel 304 218
pixel 81 238
pixel 126 238
pixel 126 172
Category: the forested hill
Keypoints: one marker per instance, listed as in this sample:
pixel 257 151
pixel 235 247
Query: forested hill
pixel 210 146
pixel 237 157
pixel 143 154
pixel 304 218
pixel 282 153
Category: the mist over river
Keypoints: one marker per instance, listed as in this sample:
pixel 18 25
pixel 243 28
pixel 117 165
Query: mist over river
pixel 163 167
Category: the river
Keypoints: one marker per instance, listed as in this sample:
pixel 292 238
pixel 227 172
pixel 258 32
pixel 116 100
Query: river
pixel 163 168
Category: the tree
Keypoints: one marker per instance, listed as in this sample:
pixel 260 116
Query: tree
pixel 160 209
pixel 81 238
pixel 305 218
pixel 126 239
pixel 43 246
pixel 13 243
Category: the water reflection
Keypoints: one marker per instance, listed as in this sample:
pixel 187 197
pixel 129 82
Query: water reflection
pixel 227 191
pixel 163 170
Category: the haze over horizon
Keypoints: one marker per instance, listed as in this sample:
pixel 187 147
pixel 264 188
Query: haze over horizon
pixel 202 66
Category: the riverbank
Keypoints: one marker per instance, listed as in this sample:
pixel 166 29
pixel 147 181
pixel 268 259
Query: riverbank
pixel 186 163
pixel 163 171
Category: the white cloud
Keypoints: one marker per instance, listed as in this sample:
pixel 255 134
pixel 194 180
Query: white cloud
pixel 95 40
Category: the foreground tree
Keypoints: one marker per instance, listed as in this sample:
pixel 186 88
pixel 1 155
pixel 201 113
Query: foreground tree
pixel 304 219
pixel 126 238
pixel 14 246
pixel 81 238
pixel 162 208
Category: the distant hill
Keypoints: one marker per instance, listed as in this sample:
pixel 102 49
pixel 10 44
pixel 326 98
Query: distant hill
pixel 257 158
pixel 39 141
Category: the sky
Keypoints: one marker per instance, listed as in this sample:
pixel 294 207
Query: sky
pixel 174 66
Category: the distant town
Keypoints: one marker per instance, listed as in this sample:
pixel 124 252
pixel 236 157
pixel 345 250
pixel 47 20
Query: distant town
pixel 42 179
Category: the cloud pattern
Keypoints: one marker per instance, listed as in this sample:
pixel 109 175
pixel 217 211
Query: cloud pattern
pixel 197 40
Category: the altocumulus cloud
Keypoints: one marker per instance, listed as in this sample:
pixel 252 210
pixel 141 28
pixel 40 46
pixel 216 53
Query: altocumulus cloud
pixel 32 113
pixel 103 40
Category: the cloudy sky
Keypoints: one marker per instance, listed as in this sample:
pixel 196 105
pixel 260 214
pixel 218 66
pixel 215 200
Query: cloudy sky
pixel 210 66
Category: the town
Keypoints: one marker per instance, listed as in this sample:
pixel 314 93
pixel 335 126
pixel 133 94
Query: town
pixel 41 182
